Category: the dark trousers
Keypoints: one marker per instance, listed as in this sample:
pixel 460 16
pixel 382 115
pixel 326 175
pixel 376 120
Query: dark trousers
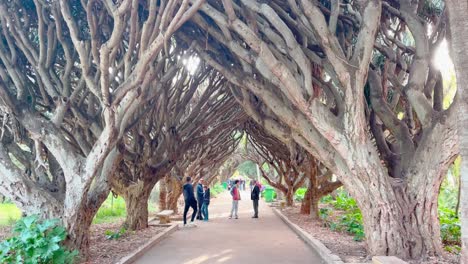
pixel 255 205
pixel 189 204
pixel 199 215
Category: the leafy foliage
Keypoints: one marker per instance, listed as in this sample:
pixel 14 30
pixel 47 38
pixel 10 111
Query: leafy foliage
pixel 36 241
pixel 217 189
pixel 115 235
pixel 9 214
pixel 300 193
pixel 450 229
pixel 247 168
pixel 350 217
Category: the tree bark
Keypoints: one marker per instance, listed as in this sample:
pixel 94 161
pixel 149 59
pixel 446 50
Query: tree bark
pixel 78 230
pixel 306 203
pixel 173 195
pixel 136 196
pixel 398 220
pixel 314 207
pixel 162 195
pixel 290 197
pixel 458 25
pixel 136 202
pixel 310 204
pixel 403 231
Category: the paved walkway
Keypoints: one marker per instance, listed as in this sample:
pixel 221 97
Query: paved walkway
pixel 243 240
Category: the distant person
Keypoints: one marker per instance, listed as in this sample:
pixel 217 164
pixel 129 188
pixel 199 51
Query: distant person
pixel 235 199
pixel 255 196
pixel 189 199
pixel 206 202
pixel 200 198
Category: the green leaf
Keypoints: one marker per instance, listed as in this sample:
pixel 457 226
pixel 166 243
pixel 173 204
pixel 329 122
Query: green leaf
pixel 29 221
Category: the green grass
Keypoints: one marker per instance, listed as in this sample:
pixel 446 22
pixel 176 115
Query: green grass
pixel 111 210
pixel 9 213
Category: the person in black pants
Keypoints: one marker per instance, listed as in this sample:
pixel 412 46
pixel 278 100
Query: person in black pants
pixel 200 199
pixel 255 196
pixel 189 198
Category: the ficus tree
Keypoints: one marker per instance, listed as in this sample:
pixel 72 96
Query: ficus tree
pixel 354 86
pixel 190 109
pixel 72 75
pixel 459 39
pixel 285 162
pixel 202 160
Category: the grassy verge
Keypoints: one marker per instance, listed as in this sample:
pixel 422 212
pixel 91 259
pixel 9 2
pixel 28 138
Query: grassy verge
pixel 113 209
pixel 9 214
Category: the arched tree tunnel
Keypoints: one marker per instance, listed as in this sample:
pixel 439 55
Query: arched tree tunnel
pixel 120 95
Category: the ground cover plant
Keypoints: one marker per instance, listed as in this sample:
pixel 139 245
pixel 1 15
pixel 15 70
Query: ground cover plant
pixel 36 241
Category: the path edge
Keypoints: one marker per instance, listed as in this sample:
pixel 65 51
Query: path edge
pixel 141 250
pixel 324 252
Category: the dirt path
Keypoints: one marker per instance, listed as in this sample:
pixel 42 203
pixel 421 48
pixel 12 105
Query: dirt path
pixel 243 240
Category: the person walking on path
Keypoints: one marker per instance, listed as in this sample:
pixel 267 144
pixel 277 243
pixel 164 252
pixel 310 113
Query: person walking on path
pixel 206 202
pixel 255 196
pixel 235 199
pixel 189 199
pixel 200 198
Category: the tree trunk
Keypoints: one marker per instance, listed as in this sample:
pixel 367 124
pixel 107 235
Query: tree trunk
pixel 136 201
pixel 458 24
pixel 306 203
pixel 405 233
pixel 78 231
pixel 290 197
pixel 395 224
pixel 173 195
pixel 314 207
pixel 162 195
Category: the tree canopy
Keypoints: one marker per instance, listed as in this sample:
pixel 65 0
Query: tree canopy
pixel 97 95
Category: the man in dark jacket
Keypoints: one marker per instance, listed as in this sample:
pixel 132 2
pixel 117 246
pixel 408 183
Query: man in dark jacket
pixel 200 198
pixel 255 196
pixel 189 198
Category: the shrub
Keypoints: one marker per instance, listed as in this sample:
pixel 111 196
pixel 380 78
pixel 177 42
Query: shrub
pixel 450 229
pixel 300 194
pixel 217 189
pixel 326 199
pixel 36 241
pixel 115 235
pixel 345 202
pixel 350 220
pixel 324 213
